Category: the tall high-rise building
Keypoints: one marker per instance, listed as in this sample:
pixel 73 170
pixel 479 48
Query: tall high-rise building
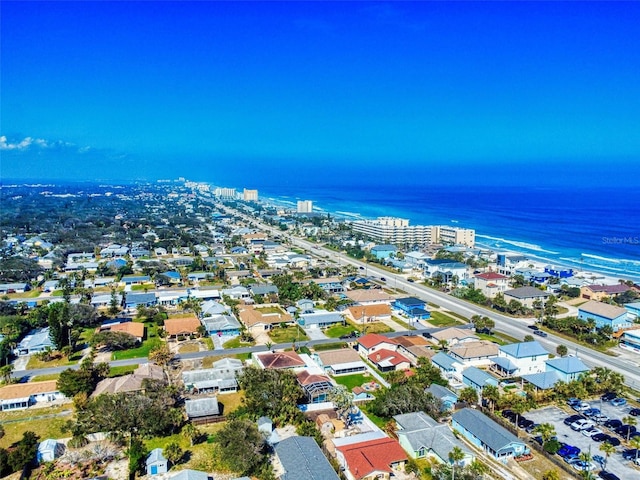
pixel 397 231
pixel 250 195
pixel 305 206
pixel 224 192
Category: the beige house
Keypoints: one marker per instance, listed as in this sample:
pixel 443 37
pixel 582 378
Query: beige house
pixel 453 336
pixel 260 318
pixel 491 283
pixel 526 295
pixel 369 296
pixel 371 313
pixel 476 354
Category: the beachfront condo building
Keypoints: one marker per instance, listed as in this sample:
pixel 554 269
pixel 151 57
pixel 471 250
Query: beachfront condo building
pixel 305 206
pixel 397 231
pixel 250 195
pixel 224 192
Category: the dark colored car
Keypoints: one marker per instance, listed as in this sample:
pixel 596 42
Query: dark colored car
pixel 630 454
pixel 410 280
pixel 542 333
pixel 613 424
pixel 532 327
pixel 591 412
pixel 625 430
pixel 613 441
pixel 608 475
pixel 634 412
pixel 349 335
pixel 572 419
pixel 525 424
pixel 607 397
pixel 600 437
pixel 568 450
pixel 382 279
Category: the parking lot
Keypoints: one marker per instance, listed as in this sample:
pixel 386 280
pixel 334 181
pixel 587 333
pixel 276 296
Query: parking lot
pixel 555 416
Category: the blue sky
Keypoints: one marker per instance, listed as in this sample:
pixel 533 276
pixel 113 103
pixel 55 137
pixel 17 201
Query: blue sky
pixel 122 90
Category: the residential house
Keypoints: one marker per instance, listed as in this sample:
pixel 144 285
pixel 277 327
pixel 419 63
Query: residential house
pixel 132 382
pixel 305 305
pixel 453 336
pixel 630 340
pixel 446 396
pixel 6 288
pixel 49 450
pixel 491 283
pixel 558 272
pixel 134 300
pixel 389 360
pixel 260 318
pixel 542 381
pixel 605 315
pixel 362 314
pixel 211 308
pixel 369 296
pixel 334 285
pixel 478 379
pixel 34 342
pixel 567 368
pixel 526 295
pixel 507 264
pixel 181 327
pixel 412 307
pixel 446 270
pixel 156 462
pixel 522 358
pixel 416 259
pixel 414 347
pixel 421 436
pixel 320 319
pixel 267 291
pixel 372 342
pixel 600 292
pixel 189 474
pixel 487 435
pixel 316 387
pixel 202 408
pixel 19 396
pixel 135 329
pixel 236 293
pixel 221 325
pixel 373 459
pixel 300 458
pixel 478 353
pixel 170 277
pixel 448 366
pixel 382 252
pixel 278 360
pixel 129 280
pixel 220 378
pixel 344 361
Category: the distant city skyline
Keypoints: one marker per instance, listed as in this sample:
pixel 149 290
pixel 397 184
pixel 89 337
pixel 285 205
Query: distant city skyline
pixel 493 91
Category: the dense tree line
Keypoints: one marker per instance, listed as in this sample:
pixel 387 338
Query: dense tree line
pixel 21 455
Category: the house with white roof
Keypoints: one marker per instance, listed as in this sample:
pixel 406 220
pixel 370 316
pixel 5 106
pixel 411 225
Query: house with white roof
pixel 34 342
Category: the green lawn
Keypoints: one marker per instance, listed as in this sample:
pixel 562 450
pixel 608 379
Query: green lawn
pixel 491 338
pixel 143 350
pixel 35 363
pixel 45 422
pixel 439 319
pixel 328 346
pixel 287 334
pixel 140 288
pixel 234 343
pixel 268 310
pixel 336 331
pixel 123 370
pixel 351 381
pixel 376 327
pixel 44 378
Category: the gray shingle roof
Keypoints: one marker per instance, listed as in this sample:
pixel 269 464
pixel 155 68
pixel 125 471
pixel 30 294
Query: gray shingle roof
pixel 202 407
pixel 190 475
pixel 479 377
pixel 443 360
pixel 526 292
pixel 568 365
pixel 302 459
pixel 440 392
pixel 482 427
pixel 524 349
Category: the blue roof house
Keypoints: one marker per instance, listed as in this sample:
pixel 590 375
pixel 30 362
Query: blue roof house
pixel 302 459
pixel 633 309
pixel 320 319
pixel 523 358
pixel 382 252
pixel 487 435
pixel 156 462
pixel 449 366
pixel 412 307
pixel 34 342
pixel 567 368
pixel 605 315
pixel 478 379
pixel 446 396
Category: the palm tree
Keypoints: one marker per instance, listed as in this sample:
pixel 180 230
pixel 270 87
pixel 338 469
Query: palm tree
pixel 491 393
pixel 608 449
pixel 546 431
pixel 629 420
pixel 455 456
pixel 635 443
pixel 191 432
pixel 6 371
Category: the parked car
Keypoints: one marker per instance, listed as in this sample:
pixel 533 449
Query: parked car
pixel 571 459
pixel 625 430
pixel 613 423
pixel 590 432
pixel 573 418
pixel 618 402
pixel 608 475
pixel 573 401
pixel 581 466
pixel 599 459
pixel 542 333
pixel 524 422
pixel 607 397
pixel 581 425
pixel 592 412
pixel 601 418
pixel 567 450
pixel 353 334
pixel 581 407
pixel 613 441
pixel 631 454
pixel 599 437
pixel 634 412
pixel 531 427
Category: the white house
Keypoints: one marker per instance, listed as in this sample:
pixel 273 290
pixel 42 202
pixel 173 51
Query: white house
pixel 523 358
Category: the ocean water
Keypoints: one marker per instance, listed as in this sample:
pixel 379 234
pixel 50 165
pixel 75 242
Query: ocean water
pixel 591 229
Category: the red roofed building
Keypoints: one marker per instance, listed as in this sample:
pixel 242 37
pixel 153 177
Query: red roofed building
pixel 491 283
pixel 375 459
pixel 278 360
pixel 316 387
pixel 372 342
pixel 388 360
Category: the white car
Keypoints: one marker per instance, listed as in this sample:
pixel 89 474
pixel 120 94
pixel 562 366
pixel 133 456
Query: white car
pixel 581 407
pixel 582 466
pixel 581 424
pixel 591 431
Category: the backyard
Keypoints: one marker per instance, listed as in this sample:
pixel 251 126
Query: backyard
pixel 151 341
pixel 45 422
pixel 439 319
pixel 337 330
pixel 287 334
pixel 351 381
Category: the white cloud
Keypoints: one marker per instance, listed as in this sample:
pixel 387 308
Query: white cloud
pixel 29 142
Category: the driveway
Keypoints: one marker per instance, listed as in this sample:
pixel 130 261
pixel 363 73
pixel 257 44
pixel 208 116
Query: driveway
pixel 315 333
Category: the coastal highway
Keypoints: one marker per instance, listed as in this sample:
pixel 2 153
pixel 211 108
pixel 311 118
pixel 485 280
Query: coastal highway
pixel 514 327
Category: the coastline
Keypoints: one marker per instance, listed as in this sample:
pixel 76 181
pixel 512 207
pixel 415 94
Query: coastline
pixel 587 265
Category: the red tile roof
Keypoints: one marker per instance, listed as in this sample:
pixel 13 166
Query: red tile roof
pixel 609 289
pixel 280 360
pixel 490 276
pixel 306 378
pixel 394 358
pixel 372 339
pixel 378 455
